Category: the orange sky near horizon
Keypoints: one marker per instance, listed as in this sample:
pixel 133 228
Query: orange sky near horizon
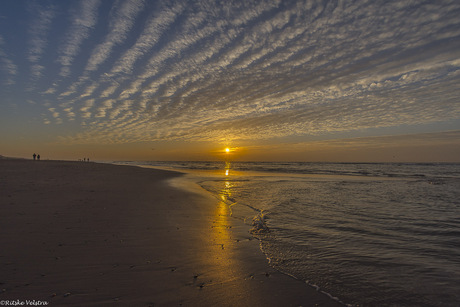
pixel 432 147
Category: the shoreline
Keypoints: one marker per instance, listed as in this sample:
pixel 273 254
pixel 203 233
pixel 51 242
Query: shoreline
pixel 100 234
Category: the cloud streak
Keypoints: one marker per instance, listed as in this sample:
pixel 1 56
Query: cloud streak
pixel 7 65
pixel 204 70
pixel 39 30
pixel 83 20
pixel 120 24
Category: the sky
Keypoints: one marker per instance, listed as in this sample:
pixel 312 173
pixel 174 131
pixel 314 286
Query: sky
pixel 351 81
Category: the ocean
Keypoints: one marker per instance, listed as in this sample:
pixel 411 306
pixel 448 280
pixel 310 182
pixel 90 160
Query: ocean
pixel 367 234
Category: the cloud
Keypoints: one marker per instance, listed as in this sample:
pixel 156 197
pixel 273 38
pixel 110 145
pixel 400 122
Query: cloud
pixel 56 116
pixel 7 65
pixel 271 78
pixel 36 71
pixel 110 90
pixel 120 24
pixel 102 108
pixel 69 113
pixel 156 26
pixel 82 22
pixel 85 109
pixel 38 30
pixel 170 70
pixel 54 113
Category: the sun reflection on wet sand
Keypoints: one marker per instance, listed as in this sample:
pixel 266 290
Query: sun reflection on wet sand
pixel 223 269
pixel 221 229
pixel 224 248
pixel 228 166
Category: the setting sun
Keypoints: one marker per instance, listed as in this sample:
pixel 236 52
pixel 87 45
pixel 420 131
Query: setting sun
pixel 227 149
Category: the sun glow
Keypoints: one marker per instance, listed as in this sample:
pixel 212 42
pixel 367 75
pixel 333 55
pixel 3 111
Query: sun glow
pixel 228 153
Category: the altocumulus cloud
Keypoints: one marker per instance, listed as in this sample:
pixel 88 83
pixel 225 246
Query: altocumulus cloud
pixel 131 71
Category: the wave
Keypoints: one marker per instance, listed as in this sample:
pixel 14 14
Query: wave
pixel 259 225
pixel 433 172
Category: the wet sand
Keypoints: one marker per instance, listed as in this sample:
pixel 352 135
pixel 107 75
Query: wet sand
pixel 89 234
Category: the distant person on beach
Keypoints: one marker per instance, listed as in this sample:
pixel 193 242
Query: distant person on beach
pixel 38 157
pixel 34 155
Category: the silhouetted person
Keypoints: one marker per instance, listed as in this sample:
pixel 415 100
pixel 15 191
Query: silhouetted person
pixel 38 157
pixel 34 155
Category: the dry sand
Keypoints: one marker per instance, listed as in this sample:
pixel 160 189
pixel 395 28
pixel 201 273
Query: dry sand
pixel 89 234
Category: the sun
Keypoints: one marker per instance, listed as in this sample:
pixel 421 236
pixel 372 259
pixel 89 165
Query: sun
pixel 227 150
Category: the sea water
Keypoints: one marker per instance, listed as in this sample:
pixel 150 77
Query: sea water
pixel 374 234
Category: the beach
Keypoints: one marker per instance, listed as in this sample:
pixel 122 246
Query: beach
pixel 92 234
